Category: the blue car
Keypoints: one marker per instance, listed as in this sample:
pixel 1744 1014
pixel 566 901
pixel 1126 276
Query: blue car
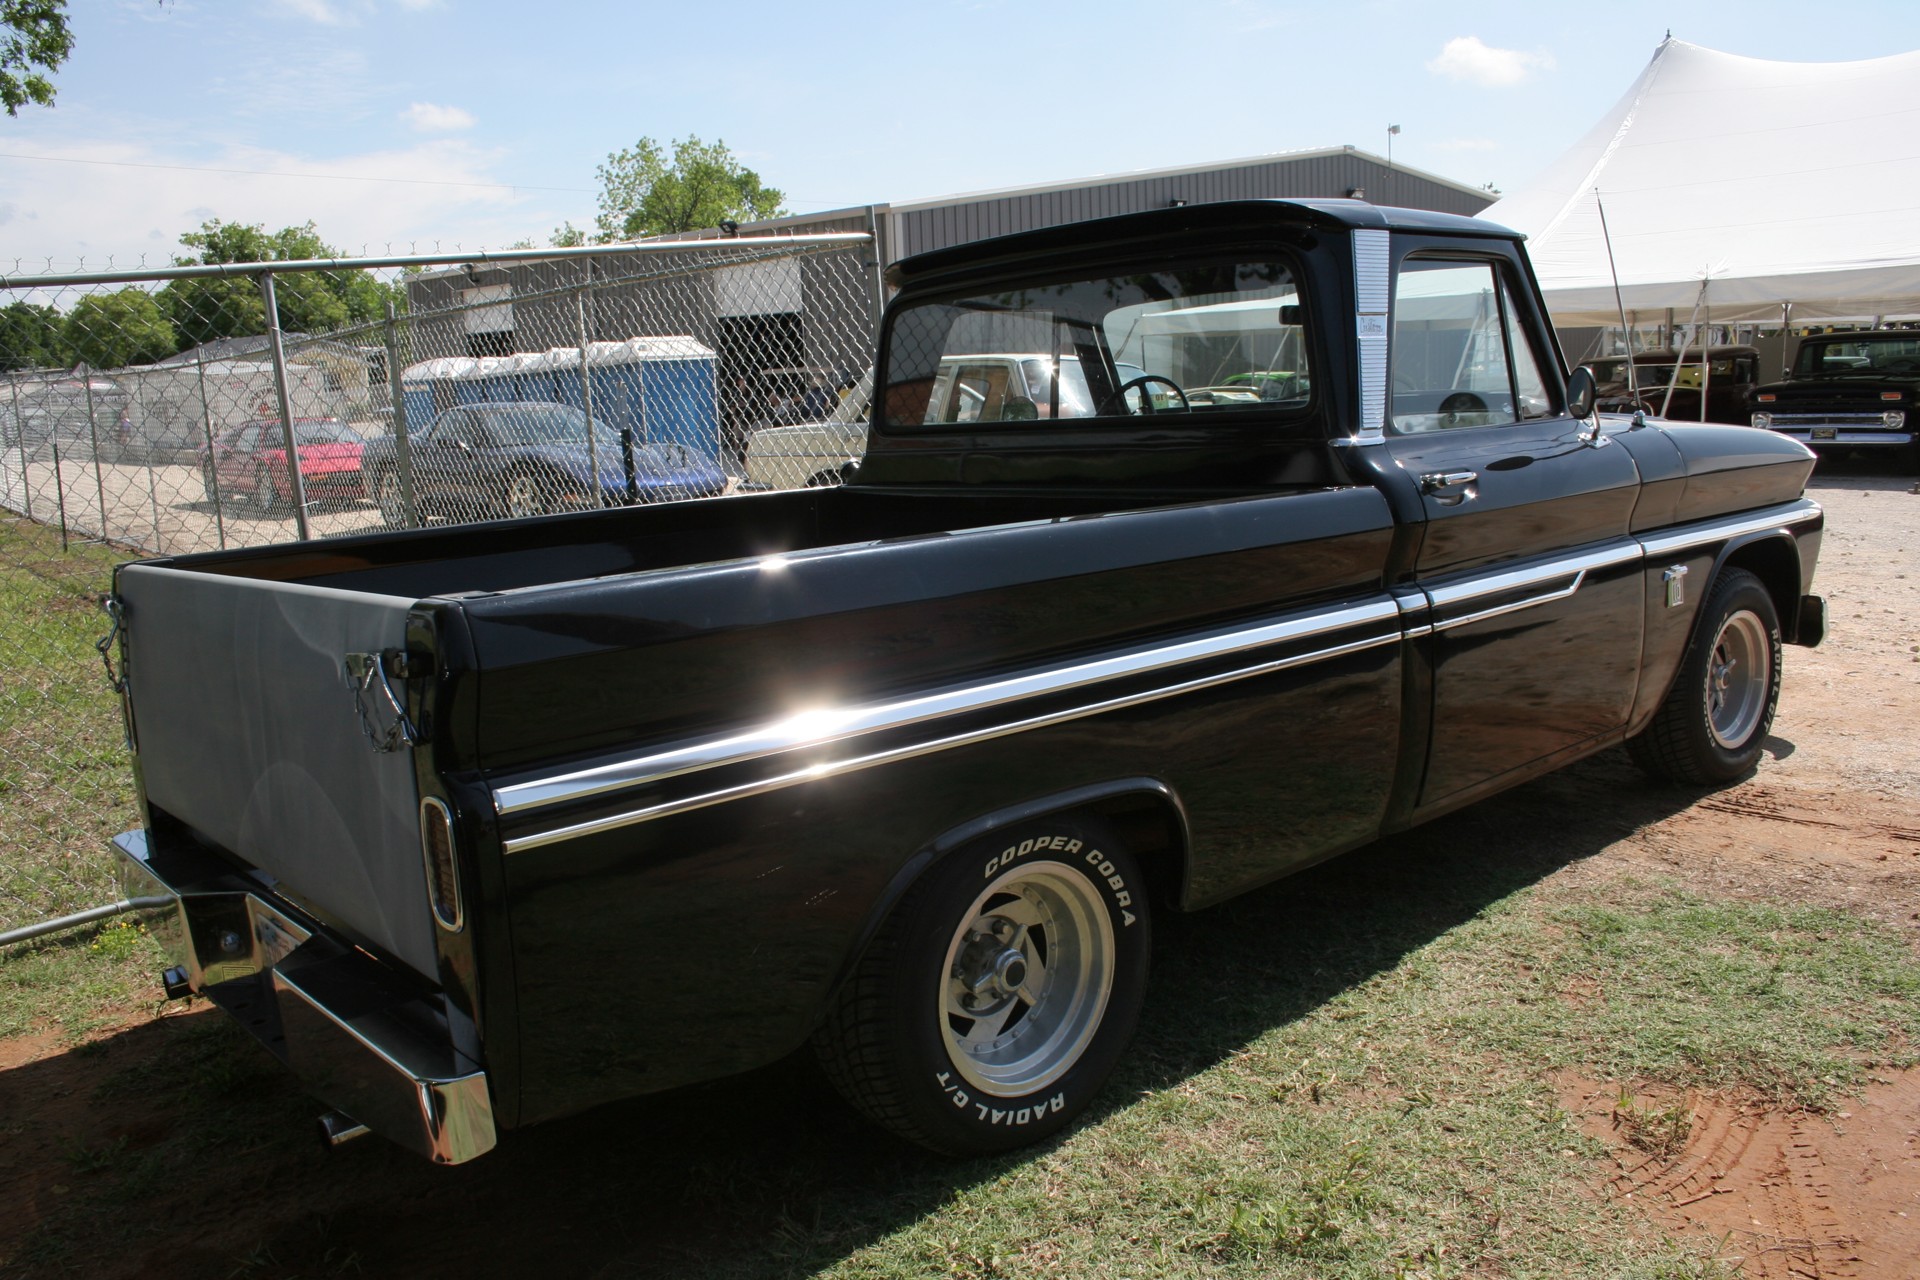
pixel 530 458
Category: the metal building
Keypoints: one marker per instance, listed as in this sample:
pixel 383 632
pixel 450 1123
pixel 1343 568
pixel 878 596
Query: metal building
pixel 777 321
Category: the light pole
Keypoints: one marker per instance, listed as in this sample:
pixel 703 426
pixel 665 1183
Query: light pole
pixel 1391 130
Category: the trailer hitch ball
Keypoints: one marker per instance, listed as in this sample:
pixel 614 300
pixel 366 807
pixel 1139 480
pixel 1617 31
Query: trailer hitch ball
pixel 174 983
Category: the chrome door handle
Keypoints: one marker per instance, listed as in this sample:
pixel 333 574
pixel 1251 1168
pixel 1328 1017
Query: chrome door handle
pixel 1435 481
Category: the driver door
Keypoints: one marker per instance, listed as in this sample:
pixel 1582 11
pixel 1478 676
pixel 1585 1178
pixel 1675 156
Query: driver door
pixel 1526 561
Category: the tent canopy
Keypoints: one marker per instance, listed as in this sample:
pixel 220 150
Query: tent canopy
pixel 1773 182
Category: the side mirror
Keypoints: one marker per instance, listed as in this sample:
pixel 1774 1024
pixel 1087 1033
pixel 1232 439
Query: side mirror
pixel 1581 392
pixel 1019 409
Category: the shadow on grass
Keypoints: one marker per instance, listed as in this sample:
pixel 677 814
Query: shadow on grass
pixel 177 1149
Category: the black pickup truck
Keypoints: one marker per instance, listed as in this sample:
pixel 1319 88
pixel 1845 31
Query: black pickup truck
pixel 1849 391
pixel 1292 531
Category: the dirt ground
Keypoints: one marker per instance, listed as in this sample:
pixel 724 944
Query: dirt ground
pixel 1832 816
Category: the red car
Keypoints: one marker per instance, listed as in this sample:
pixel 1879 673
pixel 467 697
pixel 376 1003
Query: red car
pixel 250 463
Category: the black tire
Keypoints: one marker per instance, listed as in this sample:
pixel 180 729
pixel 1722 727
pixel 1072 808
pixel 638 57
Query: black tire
pixel 265 500
pixel 1714 722
pixel 1044 928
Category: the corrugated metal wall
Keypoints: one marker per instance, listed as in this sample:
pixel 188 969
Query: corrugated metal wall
pixel 919 229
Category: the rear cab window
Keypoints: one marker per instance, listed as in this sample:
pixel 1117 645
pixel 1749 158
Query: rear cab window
pixel 1210 339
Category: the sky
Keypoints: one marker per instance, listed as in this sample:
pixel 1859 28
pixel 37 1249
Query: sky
pixel 400 126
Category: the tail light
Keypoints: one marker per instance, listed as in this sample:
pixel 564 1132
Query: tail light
pixel 443 872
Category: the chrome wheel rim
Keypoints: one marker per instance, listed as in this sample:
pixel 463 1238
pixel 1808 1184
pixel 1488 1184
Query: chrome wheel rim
pixel 1739 674
pixel 523 498
pixel 1027 977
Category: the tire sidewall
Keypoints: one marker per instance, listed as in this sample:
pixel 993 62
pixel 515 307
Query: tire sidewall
pixel 1736 592
pixel 955 1114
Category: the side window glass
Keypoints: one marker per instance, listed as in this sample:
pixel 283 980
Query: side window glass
pixel 1535 401
pixel 1449 357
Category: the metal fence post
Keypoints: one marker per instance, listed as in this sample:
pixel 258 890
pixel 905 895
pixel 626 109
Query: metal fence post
pixel 99 479
pixel 211 474
pixel 586 395
pixel 153 489
pixel 402 432
pixel 26 480
pixel 298 487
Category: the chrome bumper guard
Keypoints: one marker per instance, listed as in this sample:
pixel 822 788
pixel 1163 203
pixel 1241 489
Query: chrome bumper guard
pixel 361 1038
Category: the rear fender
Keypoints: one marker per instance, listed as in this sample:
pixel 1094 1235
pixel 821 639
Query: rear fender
pixel 1144 812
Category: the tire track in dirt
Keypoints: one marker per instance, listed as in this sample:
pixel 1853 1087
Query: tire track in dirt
pixel 1788 1195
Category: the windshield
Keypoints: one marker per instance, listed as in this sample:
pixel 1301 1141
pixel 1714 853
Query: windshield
pixel 1855 356
pixel 324 432
pixel 1222 336
pixel 547 424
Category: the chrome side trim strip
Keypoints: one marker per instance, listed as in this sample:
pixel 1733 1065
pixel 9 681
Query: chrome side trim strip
pixel 1780 517
pixel 614 822
pixel 819 728
pixel 1565 576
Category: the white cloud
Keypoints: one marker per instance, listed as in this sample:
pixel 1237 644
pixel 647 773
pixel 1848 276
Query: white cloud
pixel 324 12
pixel 428 117
pixel 1468 59
pixel 434 193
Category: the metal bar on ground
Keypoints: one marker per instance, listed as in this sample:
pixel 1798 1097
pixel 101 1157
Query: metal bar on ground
pixel 78 918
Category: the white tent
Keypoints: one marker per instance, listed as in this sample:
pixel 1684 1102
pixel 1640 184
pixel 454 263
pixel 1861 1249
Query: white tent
pixel 1776 184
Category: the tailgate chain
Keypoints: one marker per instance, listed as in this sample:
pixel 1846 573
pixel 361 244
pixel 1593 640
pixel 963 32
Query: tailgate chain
pixel 363 670
pixel 116 609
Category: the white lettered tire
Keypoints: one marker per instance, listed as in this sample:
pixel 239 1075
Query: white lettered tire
pixel 995 1000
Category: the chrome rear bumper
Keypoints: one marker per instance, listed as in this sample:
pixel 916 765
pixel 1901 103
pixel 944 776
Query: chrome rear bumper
pixel 363 1038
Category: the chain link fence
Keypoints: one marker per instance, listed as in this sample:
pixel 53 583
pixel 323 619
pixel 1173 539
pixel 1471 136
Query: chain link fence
pixel 196 409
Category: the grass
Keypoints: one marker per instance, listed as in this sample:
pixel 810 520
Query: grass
pixel 65 786
pixel 1332 1082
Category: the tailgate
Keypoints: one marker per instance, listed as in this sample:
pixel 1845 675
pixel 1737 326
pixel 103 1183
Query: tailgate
pixel 246 729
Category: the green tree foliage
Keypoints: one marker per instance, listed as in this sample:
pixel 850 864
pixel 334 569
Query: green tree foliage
pixel 30 337
pixel 204 309
pixel 643 193
pixel 113 330
pixel 34 40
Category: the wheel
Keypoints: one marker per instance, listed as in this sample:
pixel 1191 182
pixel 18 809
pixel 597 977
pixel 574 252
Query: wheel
pixel 1146 401
pixel 265 499
pixel 992 1004
pixel 526 497
pixel 390 498
pixel 208 483
pixel 1715 719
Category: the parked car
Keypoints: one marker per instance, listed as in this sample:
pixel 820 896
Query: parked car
pixel 1848 391
pixel 1729 377
pixel 249 463
pixel 529 458
pixel 810 454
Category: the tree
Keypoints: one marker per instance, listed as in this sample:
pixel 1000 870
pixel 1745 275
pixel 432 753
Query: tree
pixel 36 40
pixel 30 337
pixel 206 308
pixel 644 194
pixel 113 330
